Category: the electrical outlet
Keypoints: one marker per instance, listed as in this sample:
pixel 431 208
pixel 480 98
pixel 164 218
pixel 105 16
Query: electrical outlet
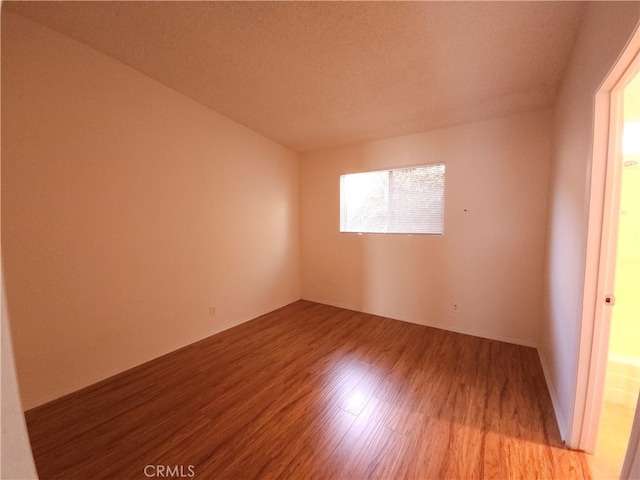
pixel 455 307
pixel 212 311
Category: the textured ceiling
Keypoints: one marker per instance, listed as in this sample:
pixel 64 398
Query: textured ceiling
pixel 312 75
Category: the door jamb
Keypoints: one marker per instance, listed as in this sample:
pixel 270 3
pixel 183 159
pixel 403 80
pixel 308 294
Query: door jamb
pixel 594 335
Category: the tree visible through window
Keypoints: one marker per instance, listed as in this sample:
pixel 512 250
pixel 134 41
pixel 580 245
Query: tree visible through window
pixel 403 200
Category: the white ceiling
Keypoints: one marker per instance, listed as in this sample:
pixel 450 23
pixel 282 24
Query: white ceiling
pixel 312 75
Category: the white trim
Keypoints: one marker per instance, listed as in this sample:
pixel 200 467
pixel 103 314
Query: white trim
pixel 464 331
pixel 346 306
pixel 560 420
pixel 191 341
pixel 594 334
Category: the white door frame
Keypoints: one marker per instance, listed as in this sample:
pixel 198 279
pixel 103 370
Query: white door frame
pixel 601 247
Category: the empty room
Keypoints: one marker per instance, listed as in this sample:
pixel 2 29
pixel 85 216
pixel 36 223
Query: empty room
pixel 334 240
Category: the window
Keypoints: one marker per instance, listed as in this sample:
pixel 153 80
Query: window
pixel 403 200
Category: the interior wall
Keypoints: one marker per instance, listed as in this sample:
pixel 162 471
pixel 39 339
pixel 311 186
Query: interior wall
pixel 606 28
pixel 489 260
pixel 128 210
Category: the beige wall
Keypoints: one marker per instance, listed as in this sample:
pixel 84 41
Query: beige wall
pixel 605 30
pixel 127 211
pixel 490 258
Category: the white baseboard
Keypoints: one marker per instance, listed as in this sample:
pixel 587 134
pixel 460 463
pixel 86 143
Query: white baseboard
pixel 562 425
pixel 464 331
pixel 545 369
pixel 93 381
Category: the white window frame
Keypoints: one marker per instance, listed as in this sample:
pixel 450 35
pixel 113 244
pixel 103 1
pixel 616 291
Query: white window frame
pixel 344 216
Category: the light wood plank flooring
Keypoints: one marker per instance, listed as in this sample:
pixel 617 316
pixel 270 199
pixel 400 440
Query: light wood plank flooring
pixel 312 391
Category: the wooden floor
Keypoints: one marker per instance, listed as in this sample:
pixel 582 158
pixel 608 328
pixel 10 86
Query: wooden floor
pixel 311 391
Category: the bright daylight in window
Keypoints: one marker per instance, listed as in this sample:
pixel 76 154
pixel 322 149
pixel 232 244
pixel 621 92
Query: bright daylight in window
pixel 403 200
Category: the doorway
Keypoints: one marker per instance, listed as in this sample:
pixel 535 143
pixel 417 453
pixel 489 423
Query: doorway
pixel 622 369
